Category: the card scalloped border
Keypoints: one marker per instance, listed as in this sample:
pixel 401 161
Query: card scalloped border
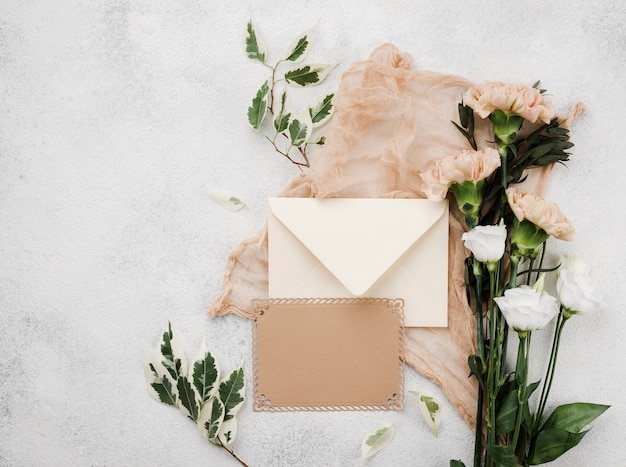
pixel 261 307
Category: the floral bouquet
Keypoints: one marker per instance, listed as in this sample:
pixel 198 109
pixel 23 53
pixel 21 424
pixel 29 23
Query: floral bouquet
pixel 505 273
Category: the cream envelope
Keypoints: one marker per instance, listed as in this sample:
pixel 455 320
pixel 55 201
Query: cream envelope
pixel 377 248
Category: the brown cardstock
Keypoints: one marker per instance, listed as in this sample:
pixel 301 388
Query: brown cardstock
pixel 328 354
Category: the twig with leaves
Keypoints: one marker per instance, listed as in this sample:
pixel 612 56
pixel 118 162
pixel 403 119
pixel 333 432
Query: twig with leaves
pixel 198 391
pixel 287 130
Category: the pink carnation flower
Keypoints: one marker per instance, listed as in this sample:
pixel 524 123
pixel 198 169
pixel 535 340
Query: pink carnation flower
pixel 520 100
pixel 540 212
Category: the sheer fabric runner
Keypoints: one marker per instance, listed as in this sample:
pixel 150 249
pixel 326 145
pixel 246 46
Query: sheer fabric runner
pixel 389 122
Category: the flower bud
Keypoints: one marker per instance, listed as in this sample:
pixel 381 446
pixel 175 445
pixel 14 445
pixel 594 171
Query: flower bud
pixel 576 290
pixel 486 242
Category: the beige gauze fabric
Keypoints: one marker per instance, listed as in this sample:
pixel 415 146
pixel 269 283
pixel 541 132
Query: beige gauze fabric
pixel 389 123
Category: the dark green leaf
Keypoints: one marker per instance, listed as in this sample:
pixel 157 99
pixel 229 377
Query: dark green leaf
pixel 503 456
pixel 171 361
pixel 232 393
pixel 321 112
pixel 456 463
pixel 205 376
pixel 298 132
pixel 505 420
pixel 553 443
pixel 574 417
pixel 308 75
pixel 211 417
pixel 188 398
pixel 164 388
pixel 258 108
pixel 298 48
pixel 281 119
pixel 254 50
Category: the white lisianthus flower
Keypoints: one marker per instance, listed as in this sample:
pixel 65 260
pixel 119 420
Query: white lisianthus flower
pixel 526 308
pixel 576 290
pixel 486 242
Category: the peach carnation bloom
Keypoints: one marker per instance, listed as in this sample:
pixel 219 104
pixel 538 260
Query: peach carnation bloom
pixel 540 212
pixel 468 165
pixel 520 100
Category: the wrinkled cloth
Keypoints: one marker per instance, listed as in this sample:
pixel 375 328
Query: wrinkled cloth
pixel 390 121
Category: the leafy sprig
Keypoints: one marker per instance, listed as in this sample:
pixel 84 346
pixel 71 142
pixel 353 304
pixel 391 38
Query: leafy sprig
pixel 212 403
pixel 288 130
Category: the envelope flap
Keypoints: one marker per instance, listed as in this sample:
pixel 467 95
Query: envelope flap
pixel 357 240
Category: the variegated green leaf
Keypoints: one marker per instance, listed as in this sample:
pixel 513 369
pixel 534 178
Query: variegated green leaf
pixel 228 431
pixel 321 112
pixel 254 48
pixel 258 108
pixel 188 398
pixel 300 129
pixel 232 393
pixel 173 354
pixel 206 375
pixel 299 48
pixel 375 440
pixel 429 409
pixel 281 119
pixel 211 417
pixel 160 385
pixel 227 199
pixel 308 75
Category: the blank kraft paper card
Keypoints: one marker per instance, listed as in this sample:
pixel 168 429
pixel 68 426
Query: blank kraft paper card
pixel 328 354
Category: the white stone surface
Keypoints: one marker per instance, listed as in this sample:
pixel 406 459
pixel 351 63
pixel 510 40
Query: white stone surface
pixel 116 119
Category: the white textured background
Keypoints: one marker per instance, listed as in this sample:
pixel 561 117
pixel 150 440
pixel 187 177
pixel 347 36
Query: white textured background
pixel 116 119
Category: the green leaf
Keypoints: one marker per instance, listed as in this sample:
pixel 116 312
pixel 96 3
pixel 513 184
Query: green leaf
pixel 228 431
pixel 205 375
pixel 308 75
pixel 430 411
pixel 456 463
pixel 375 440
pixel 574 417
pixel 254 49
pixel 299 48
pixel 232 393
pixel 211 417
pixel 321 112
pixel 187 398
pixel 504 456
pixel 281 119
pixel 173 354
pixel 553 443
pixel 300 130
pixel 258 108
pixel 159 383
pixel 227 199
pixel 505 420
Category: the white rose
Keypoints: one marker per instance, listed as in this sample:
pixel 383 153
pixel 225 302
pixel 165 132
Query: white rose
pixel 576 289
pixel 526 309
pixel 486 242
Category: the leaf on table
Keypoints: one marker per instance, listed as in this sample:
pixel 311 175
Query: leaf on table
pixel 254 48
pixel 228 432
pixel 300 129
pixel 308 75
pixel 160 385
pixel 375 440
pixel 173 354
pixel 227 199
pixel 206 374
pixel 232 393
pixel 321 112
pixel 211 417
pixel 300 47
pixel 258 108
pixel 188 398
pixel 429 409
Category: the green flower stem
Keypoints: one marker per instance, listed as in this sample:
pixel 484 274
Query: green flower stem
pixel 547 384
pixel 494 356
pixel 480 349
pixel 513 276
pixel 521 375
pixel 543 254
